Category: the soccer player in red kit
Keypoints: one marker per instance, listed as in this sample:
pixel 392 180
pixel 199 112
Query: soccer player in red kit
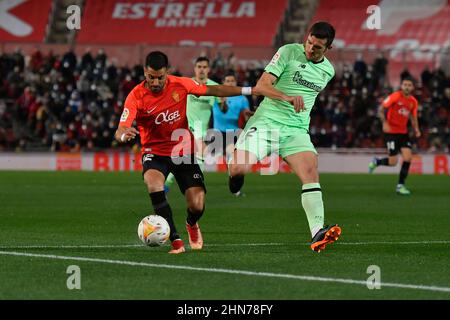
pixel 158 105
pixel 394 113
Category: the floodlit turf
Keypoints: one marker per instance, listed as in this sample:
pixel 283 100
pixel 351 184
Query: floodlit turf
pixel 256 247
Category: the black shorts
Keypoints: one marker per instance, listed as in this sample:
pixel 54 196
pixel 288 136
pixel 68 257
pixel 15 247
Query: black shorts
pixel 185 169
pixel 395 142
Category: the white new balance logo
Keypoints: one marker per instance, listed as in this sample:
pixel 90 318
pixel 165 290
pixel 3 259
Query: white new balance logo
pixel 11 23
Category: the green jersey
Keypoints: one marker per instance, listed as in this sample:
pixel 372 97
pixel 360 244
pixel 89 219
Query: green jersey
pixel 199 111
pixel 296 76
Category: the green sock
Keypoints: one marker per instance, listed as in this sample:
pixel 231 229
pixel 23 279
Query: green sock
pixel 313 206
pixel 170 179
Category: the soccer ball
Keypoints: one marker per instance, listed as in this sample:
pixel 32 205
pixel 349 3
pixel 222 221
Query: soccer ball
pixel 153 230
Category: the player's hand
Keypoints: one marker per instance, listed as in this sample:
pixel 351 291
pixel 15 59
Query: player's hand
pixel 129 134
pixel 297 102
pixel 418 133
pixel 386 127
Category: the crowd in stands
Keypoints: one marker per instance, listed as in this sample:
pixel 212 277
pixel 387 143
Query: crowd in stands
pixel 69 103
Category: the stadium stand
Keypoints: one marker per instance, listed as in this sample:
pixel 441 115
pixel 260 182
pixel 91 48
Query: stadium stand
pixel 68 98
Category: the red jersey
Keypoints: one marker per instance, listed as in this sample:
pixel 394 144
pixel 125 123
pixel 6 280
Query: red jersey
pixel 398 108
pixel 158 115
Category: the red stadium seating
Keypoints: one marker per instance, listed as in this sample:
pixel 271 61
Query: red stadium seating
pixel 24 21
pixel 425 22
pixel 235 22
pixel 422 26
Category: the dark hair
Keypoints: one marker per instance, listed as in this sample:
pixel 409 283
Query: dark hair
pixel 323 30
pixel 229 73
pixel 408 78
pixel 157 60
pixel 202 58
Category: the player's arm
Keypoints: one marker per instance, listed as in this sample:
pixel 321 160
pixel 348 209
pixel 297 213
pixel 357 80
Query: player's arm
pixel 226 91
pixel 125 132
pixel 387 103
pixel 415 122
pixel 415 125
pixel 381 115
pixel 265 87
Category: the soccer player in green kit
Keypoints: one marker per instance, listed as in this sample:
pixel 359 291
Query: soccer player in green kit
pixel 303 71
pixel 199 110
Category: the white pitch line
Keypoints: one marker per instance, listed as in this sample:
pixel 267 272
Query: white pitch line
pixel 227 271
pixel 221 244
pixel 85 246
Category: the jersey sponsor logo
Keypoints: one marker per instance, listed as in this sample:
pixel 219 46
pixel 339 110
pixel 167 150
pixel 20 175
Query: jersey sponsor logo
pixel 167 117
pixel 125 115
pixel 298 78
pixel 275 58
pixel 404 112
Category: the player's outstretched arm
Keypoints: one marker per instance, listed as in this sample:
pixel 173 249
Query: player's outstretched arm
pixel 265 88
pixel 227 91
pixel 124 134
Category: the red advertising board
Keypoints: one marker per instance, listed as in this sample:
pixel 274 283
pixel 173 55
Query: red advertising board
pixel 24 20
pixel 174 22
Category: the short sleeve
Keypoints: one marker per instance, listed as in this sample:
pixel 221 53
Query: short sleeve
pixel 129 111
pixel 279 61
pixel 390 100
pixel 193 87
pixel 415 108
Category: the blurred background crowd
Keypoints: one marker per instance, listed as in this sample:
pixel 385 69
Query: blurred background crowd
pixel 73 103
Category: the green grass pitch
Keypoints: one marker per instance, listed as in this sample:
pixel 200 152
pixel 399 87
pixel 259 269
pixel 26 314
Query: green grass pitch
pixel 256 247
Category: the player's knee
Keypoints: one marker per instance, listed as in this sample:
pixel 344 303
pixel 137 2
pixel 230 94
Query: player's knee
pixel 238 170
pixel 196 204
pixel 393 161
pixel 407 158
pixel 310 174
pixel 152 184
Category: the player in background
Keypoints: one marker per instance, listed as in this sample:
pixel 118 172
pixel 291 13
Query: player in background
pixel 199 110
pixel 394 113
pixel 226 113
pixel 158 105
pixel 299 70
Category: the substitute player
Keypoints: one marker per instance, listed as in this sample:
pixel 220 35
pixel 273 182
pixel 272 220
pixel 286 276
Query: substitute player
pixel 303 71
pixel 158 105
pixel 199 110
pixel 394 114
